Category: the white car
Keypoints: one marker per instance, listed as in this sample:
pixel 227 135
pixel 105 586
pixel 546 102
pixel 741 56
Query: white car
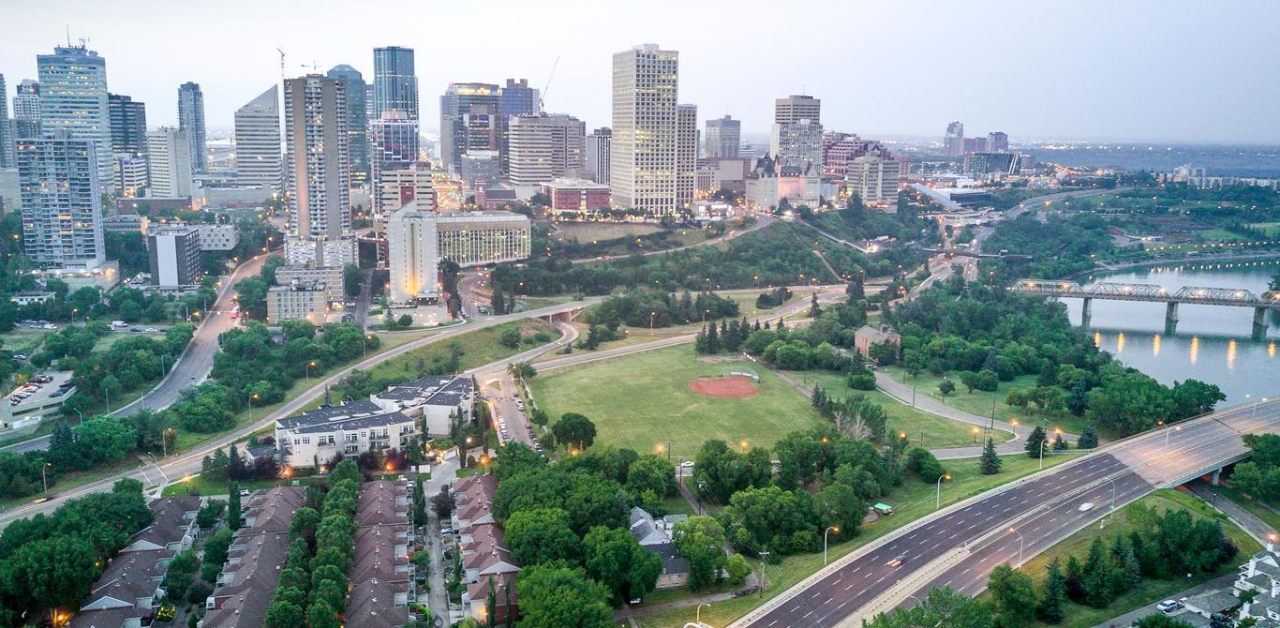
pixel 1085 507
pixel 688 464
pixel 1168 606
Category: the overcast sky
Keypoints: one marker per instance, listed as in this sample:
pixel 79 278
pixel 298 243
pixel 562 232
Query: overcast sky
pixel 1160 70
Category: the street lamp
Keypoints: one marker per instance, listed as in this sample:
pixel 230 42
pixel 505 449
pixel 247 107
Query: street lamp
pixel 835 529
pixel 45 478
pixel 1042 445
pixel 1020 544
pixel 698 614
pixel 309 365
pixel 1176 428
pixel 940 479
pixel 164 439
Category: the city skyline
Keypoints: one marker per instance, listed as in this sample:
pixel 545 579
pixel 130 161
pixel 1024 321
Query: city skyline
pixel 1056 73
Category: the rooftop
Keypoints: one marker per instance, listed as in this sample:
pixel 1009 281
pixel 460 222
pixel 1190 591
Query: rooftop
pixel 349 416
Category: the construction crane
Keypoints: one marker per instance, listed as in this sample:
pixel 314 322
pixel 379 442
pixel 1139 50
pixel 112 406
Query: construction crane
pixel 542 103
pixel 281 51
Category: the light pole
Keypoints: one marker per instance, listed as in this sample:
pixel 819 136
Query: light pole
pixel 45 478
pixel 309 365
pixel 1176 428
pixel 1113 494
pixel 939 500
pixel 1020 544
pixel 836 529
pixel 1042 444
pixel 698 614
pixel 164 440
pixel 651 317
pixel 81 415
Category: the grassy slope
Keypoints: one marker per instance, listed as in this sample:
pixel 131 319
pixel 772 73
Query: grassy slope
pixel 979 402
pixel 479 347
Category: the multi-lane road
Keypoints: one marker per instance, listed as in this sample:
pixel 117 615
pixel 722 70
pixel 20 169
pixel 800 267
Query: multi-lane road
pixel 958 546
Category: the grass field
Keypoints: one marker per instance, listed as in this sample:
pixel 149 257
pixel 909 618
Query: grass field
pixel 595 231
pixel 479 347
pixel 1272 229
pixel 1149 590
pixel 20 340
pixel 937 432
pixel 641 400
pixel 914 499
pixel 980 403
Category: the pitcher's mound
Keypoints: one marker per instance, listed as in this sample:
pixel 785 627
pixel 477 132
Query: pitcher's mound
pixel 734 387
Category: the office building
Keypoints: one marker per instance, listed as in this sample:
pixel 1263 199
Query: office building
pixel 469 120
pixel 175 256
pixel 642 168
pixel 515 98
pixel 488 237
pixel 169 160
pixel 686 154
pixel 331 276
pixel 191 120
pixel 576 195
pixel 317 171
pixel 26 110
pixel 217 237
pixel 320 251
pixel 796 135
pixel 258 141
pixel 298 301
pixel 544 147
pixel 398 187
pixel 480 168
pixel 599 143
pixel 991 163
pixel 393 142
pixel 128 124
pixel 723 136
pixel 6 128
pixel 61 201
pixel 953 141
pixel 395 86
pixel 357 120
pixel 839 149
pixel 73 98
pixel 874 179
pixel 131 173
pixel 997 142
pixel 414 249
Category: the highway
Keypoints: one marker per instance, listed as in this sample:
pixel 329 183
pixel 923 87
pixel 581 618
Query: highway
pixel 958 546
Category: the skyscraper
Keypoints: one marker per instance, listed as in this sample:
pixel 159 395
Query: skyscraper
pixel 128 124
pixel 393 145
pixel 26 110
pixel 686 154
pixel 317 170
pixel 796 137
pixel 723 137
pixel 516 98
pixel 997 142
pixel 357 119
pixel 73 97
pixel 544 147
pixel 953 141
pixel 61 217
pixel 191 120
pixel 599 143
pixel 414 248
pixel 395 86
pixel 169 159
pixel 469 120
pixel 642 169
pixel 6 129
pixel 258 141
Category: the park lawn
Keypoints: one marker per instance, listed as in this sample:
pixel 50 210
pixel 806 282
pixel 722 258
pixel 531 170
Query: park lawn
pixel 979 402
pixel 641 400
pixel 198 485
pixel 68 481
pixel 938 432
pixel 106 340
pixel 22 340
pixel 1272 229
pixel 587 232
pixel 533 303
pixel 1219 234
pixel 479 347
pixel 911 501
pixel 1149 590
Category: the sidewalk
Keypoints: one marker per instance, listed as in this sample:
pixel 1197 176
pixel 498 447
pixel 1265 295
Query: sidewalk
pixel 1257 528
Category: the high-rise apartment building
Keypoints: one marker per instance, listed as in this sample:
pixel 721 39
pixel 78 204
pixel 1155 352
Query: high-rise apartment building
pixel 258 141
pixel 317 170
pixel 61 201
pixel 997 142
pixel 6 128
pixel 73 98
pixel 414 249
pixel 515 98
pixel 874 179
pixel 393 142
pixel 398 187
pixel 469 120
pixel 191 120
pixel 599 143
pixel 174 253
pixel 723 137
pixel 169 159
pixel 26 110
pixel 953 141
pixel 395 85
pixel 357 119
pixel 686 154
pixel 128 124
pixel 544 147
pixel 642 168
pixel 796 137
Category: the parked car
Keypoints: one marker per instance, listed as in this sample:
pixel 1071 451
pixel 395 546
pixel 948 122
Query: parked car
pixel 1168 606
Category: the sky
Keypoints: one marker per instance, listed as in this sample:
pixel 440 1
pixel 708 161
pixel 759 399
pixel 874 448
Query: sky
pixel 1127 70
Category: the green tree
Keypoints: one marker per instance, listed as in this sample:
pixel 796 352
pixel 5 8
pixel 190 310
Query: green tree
pixel 554 596
pixel 321 615
pixel 946 387
pixel 1078 400
pixel 738 569
pixel 1014 594
pixel 1160 620
pixel 542 535
pixel 574 430
pixel 615 559
pixel 234 516
pixel 346 470
pixel 700 540
pixel 1088 438
pixel 1051 609
pixel 989 463
pixel 282 614
pixel 1035 442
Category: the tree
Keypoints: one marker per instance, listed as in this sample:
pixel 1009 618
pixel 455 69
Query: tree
pixel 1078 400
pixel 574 430
pixel 615 559
pixel 1088 438
pixel 542 535
pixel 946 387
pixel 989 463
pixel 1160 620
pixel 233 506
pixel 1051 609
pixel 738 570
pixel 321 615
pixel 700 540
pixel 1014 594
pixel 1035 442
pixel 652 473
pixel 346 470
pixel 283 614
pixel 1097 578
pixel 555 596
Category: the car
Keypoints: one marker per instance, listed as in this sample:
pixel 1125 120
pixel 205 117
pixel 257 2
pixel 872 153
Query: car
pixel 528 426
pixel 1168 606
pixel 1085 507
pixel 244 492
pixel 447 531
pixel 688 464
pixel 897 560
pixel 19 356
pixel 634 601
pixel 152 330
pixel 50 326
pixel 135 330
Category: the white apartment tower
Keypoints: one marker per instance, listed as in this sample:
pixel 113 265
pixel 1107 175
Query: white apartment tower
pixel 414 249
pixel 544 147
pixel 642 169
pixel 169 158
pixel 686 154
pixel 73 97
pixel 61 201
pixel 317 159
pixel 599 143
pixel 258 140
pixel 874 179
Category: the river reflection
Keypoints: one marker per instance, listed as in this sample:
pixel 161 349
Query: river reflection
pixel 1212 344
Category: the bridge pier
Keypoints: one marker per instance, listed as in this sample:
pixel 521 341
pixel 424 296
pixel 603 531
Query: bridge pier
pixel 1217 475
pixel 1259 324
pixel 1086 311
pixel 1171 318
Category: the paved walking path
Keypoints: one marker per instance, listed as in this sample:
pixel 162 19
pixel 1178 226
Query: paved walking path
pixel 1257 528
pixel 445 473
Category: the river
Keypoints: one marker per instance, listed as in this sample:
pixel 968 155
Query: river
pixel 1212 344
